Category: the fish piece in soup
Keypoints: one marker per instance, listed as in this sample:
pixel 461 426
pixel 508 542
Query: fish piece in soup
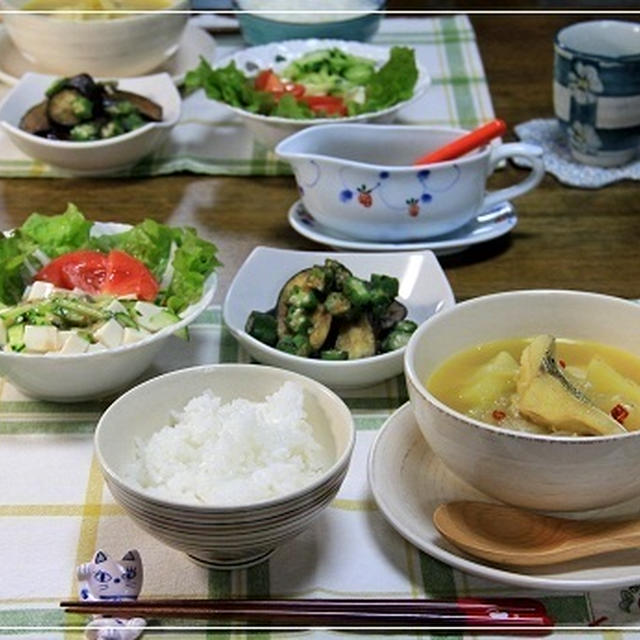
pixel 543 385
pixel 545 395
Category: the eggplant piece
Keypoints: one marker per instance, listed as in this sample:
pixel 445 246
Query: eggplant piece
pixel 86 85
pixel 282 306
pixel 357 338
pixel 148 108
pixel 320 319
pixel 68 107
pixel 35 120
pixel 320 327
pixel 395 312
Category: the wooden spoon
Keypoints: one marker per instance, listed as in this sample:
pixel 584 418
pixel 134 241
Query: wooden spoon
pixel 511 536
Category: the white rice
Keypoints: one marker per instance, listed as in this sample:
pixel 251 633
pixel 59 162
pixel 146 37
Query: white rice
pixel 229 454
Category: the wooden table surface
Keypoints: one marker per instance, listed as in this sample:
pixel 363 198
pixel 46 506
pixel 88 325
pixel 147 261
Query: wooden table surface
pixel 565 237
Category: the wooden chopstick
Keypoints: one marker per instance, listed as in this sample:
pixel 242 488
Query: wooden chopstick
pixel 469 612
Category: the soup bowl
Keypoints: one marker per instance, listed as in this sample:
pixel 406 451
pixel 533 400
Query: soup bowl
pixel 216 535
pixel 359 180
pixel 128 45
pixel 545 472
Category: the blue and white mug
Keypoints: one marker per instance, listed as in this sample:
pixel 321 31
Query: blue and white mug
pixel 596 90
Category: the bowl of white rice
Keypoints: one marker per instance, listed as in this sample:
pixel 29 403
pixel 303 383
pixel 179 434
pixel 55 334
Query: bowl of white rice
pixel 225 462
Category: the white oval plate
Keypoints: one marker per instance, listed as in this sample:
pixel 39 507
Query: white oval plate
pixel 278 55
pixel 408 482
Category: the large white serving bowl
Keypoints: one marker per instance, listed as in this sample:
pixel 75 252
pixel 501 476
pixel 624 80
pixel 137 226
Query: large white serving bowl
pixel 220 536
pixel 424 290
pixel 270 130
pixel 528 470
pixel 88 376
pixel 129 45
pixel 98 156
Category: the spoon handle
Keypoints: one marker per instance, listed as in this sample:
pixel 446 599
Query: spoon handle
pixel 517 537
pixel 476 138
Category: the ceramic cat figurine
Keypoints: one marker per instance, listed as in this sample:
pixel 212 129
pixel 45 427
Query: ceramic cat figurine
pixel 106 579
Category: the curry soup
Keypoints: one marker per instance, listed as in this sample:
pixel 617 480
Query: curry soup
pixel 573 388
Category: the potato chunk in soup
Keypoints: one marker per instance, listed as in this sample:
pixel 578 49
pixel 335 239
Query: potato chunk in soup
pixel 544 385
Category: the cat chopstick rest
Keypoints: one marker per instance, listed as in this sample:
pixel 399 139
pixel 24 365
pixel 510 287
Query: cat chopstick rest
pixel 106 579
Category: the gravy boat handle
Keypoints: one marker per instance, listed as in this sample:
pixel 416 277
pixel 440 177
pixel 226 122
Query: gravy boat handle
pixel 529 152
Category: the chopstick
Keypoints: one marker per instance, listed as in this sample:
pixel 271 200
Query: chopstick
pixel 512 613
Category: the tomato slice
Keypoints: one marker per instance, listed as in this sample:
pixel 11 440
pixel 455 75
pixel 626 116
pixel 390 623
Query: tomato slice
pixel 126 275
pixel 330 105
pixel 117 274
pixel 86 270
pixel 295 89
pixel 268 80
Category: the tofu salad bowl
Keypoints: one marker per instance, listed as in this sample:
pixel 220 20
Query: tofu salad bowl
pixel 85 306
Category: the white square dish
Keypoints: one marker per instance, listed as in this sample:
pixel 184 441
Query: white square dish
pixel 424 290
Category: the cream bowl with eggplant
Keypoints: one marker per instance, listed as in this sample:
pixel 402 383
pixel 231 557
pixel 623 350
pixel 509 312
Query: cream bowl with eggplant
pixel 90 127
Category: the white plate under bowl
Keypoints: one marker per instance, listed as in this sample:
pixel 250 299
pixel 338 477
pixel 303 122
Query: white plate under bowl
pixel 491 224
pixel 408 482
pixel 424 290
pixel 195 42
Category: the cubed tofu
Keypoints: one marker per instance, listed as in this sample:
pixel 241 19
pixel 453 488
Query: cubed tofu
pixel 40 290
pixel 116 307
pixel 40 339
pixel 97 346
pixel 146 310
pixel 62 337
pixel 3 334
pixel 134 335
pixel 74 344
pixel 110 334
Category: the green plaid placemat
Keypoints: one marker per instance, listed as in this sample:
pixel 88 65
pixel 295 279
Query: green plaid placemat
pixel 209 139
pixel 56 511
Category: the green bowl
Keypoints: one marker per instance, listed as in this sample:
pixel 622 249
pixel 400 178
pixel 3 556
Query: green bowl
pixel 262 29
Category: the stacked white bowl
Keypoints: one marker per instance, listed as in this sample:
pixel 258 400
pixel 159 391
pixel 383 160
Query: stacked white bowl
pixel 220 536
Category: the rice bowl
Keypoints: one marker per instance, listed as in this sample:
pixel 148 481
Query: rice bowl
pixel 218 535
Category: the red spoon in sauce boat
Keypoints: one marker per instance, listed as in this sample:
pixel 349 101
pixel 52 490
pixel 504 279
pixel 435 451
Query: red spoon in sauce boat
pixel 472 140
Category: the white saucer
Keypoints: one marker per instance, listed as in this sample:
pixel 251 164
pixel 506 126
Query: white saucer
pixel 195 42
pixel 487 226
pixel 408 482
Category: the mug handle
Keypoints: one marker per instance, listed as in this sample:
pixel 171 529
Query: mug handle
pixel 530 152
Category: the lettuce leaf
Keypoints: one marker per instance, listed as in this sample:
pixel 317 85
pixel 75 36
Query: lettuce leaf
pixel 55 235
pixel 226 84
pixel 393 82
pixel 14 252
pixel 149 242
pixel 193 261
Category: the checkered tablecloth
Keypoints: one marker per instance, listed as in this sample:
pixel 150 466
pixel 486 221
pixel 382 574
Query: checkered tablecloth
pixel 209 139
pixel 55 511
